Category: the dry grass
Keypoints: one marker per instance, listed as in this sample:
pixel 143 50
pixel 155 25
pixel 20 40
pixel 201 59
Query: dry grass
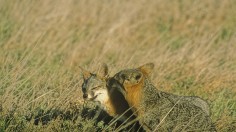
pixel 42 43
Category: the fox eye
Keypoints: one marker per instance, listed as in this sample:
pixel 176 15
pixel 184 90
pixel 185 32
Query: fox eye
pixel 137 77
pixel 123 76
pixel 96 87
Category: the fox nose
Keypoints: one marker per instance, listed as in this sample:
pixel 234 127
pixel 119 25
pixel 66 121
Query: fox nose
pixel 85 96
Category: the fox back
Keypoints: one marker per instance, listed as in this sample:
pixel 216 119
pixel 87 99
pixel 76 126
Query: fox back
pixel 157 110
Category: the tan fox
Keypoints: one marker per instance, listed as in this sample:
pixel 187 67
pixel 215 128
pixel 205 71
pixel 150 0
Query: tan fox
pixel 161 111
pixel 96 87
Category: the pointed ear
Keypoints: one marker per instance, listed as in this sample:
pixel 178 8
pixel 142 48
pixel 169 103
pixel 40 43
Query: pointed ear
pixel 103 71
pixel 86 74
pixel 147 68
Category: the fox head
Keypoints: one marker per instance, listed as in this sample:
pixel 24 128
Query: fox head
pixel 132 79
pixel 99 88
pixel 94 85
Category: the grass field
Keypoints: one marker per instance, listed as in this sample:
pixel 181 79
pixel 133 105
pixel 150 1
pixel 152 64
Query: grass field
pixel 43 43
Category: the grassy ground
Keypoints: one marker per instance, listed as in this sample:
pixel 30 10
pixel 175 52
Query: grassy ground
pixel 42 43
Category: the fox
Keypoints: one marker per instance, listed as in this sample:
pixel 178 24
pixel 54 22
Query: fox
pixel 97 88
pixel 161 111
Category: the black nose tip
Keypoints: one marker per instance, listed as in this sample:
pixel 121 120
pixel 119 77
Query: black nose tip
pixel 85 96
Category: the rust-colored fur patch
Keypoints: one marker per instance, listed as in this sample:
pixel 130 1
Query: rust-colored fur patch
pixel 134 93
pixel 110 108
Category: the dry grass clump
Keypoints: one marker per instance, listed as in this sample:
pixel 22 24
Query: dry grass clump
pixel 42 43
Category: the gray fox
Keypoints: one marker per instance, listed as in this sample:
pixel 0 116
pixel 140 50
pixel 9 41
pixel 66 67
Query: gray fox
pixel 96 88
pixel 161 111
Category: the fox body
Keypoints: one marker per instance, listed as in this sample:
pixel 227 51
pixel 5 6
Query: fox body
pixel 157 110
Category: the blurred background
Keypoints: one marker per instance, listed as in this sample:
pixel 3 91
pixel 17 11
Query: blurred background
pixel 43 43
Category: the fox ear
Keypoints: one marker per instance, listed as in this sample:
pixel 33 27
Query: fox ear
pixel 86 74
pixel 147 68
pixel 103 70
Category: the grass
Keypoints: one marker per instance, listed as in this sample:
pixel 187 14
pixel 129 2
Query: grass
pixel 42 44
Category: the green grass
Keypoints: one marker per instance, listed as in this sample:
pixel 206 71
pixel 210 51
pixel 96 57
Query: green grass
pixel 42 44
